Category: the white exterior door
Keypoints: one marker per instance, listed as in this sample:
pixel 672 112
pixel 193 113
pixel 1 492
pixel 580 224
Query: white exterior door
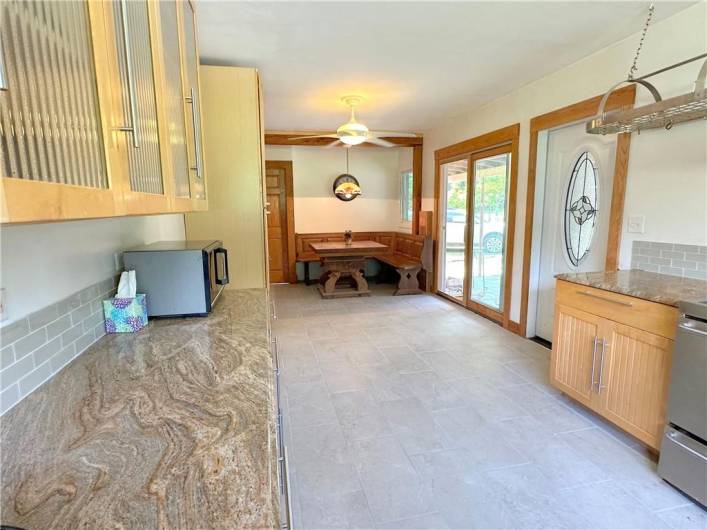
pixel 579 172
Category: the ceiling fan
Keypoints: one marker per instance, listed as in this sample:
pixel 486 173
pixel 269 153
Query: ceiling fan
pixel 355 133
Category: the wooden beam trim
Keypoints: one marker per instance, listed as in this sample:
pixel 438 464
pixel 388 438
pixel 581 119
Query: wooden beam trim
pixel 286 139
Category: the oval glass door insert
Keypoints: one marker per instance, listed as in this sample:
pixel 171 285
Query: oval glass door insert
pixel 581 207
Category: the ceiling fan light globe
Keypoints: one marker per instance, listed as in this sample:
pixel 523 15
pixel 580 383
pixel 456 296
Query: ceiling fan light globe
pixel 353 140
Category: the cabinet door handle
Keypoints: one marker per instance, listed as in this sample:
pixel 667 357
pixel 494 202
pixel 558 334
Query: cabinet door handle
pixel 196 131
pixel 132 102
pixel 3 73
pixel 605 299
pixel 601 366
pixel 594 361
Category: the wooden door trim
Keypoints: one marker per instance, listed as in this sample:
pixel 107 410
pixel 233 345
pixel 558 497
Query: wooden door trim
pixel 505 139
pixel 621 98
pixel 291 265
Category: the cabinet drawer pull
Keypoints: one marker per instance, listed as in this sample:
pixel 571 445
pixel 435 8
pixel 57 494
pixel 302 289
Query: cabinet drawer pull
pixel 605 299
pixel 132 128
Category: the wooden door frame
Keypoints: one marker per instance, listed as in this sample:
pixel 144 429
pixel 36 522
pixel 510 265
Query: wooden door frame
pixel 291 265
pixel 585 109
pixel 504 137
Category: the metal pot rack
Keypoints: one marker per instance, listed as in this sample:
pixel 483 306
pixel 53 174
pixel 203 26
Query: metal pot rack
pixel 663 113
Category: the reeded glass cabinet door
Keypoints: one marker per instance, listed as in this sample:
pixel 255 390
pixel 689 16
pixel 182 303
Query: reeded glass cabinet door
pixel 134 50
pixel 174 98
pixel 192 97
pixel 50 125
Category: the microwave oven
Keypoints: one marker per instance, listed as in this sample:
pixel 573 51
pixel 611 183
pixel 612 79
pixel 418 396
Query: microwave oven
pixel 180 278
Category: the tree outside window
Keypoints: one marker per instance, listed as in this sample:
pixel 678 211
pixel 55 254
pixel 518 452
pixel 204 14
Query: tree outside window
pixel 406 195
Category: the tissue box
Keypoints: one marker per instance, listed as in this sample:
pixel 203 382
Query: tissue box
pixel 125 315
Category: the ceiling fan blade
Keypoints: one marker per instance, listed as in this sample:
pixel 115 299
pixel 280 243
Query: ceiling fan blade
pixel 394 134
pixel 333 144
pixel 380 142
pixel 331 135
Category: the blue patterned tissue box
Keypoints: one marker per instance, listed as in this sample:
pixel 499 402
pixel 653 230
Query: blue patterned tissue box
pixel 125 315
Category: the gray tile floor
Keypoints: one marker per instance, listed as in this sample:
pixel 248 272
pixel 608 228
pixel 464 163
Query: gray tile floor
pixel 410 412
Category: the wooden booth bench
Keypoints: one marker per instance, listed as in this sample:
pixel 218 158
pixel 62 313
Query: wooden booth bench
pixel 410 256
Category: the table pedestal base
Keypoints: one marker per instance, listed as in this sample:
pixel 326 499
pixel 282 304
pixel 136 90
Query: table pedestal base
pixel 336 270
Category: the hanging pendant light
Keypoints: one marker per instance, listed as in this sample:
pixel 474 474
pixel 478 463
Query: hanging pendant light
pixel 660 114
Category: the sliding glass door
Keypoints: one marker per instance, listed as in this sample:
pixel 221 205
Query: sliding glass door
pixel 452 248
pixel 489 229
pixel 473 218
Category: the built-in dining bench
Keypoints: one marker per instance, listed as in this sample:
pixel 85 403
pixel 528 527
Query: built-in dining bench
pixel 409 255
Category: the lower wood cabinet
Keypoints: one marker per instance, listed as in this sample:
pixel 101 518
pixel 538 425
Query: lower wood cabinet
pixel 620 366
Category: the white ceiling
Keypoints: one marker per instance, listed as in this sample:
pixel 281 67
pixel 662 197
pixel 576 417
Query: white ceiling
pixel 414 62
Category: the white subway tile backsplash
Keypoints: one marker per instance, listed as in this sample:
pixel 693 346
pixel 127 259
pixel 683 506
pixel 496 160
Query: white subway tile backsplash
pixel 77 315
pixel 44 353
pixel 675 259
pixel 35 378
pixel 59 326
pixel 9 397
pixel 43 317
pixel 30 343
pixel 14 331
pixel 72 334
pixel 7 356
pixel 16 371
pixel 36 347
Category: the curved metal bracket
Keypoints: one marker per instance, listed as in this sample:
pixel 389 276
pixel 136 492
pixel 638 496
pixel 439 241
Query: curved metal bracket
pixel 653 90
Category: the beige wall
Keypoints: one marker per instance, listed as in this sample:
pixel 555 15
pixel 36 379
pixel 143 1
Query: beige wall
pixel 314 171
pixel 667 178
pixel 233 163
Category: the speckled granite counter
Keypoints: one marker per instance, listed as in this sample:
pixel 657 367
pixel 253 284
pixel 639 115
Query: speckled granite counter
pixel 168 428
pixel 662 288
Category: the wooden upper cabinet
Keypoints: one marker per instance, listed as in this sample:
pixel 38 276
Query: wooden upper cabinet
pixel 92 115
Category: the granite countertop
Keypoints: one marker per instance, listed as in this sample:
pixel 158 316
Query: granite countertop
pixel 171 427
pixel 662 288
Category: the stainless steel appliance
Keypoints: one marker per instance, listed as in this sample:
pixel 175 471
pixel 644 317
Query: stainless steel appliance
pixel 179 277
pixel 683 454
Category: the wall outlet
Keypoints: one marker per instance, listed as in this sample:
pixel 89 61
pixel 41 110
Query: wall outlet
pixel 636 224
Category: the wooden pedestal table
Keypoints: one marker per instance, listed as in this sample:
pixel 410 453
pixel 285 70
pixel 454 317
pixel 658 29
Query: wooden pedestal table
pixel 341 261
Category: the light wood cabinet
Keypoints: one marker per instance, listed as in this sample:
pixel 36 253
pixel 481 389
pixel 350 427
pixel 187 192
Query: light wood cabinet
pixel 612 353
pixel 234 156
pixel 93 112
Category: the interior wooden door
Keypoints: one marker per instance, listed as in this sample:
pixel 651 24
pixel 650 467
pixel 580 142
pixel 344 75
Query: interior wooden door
pixel 634 381
pixel 573 366
pixel 278 176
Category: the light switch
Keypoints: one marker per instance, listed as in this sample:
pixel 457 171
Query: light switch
pixel 636 224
